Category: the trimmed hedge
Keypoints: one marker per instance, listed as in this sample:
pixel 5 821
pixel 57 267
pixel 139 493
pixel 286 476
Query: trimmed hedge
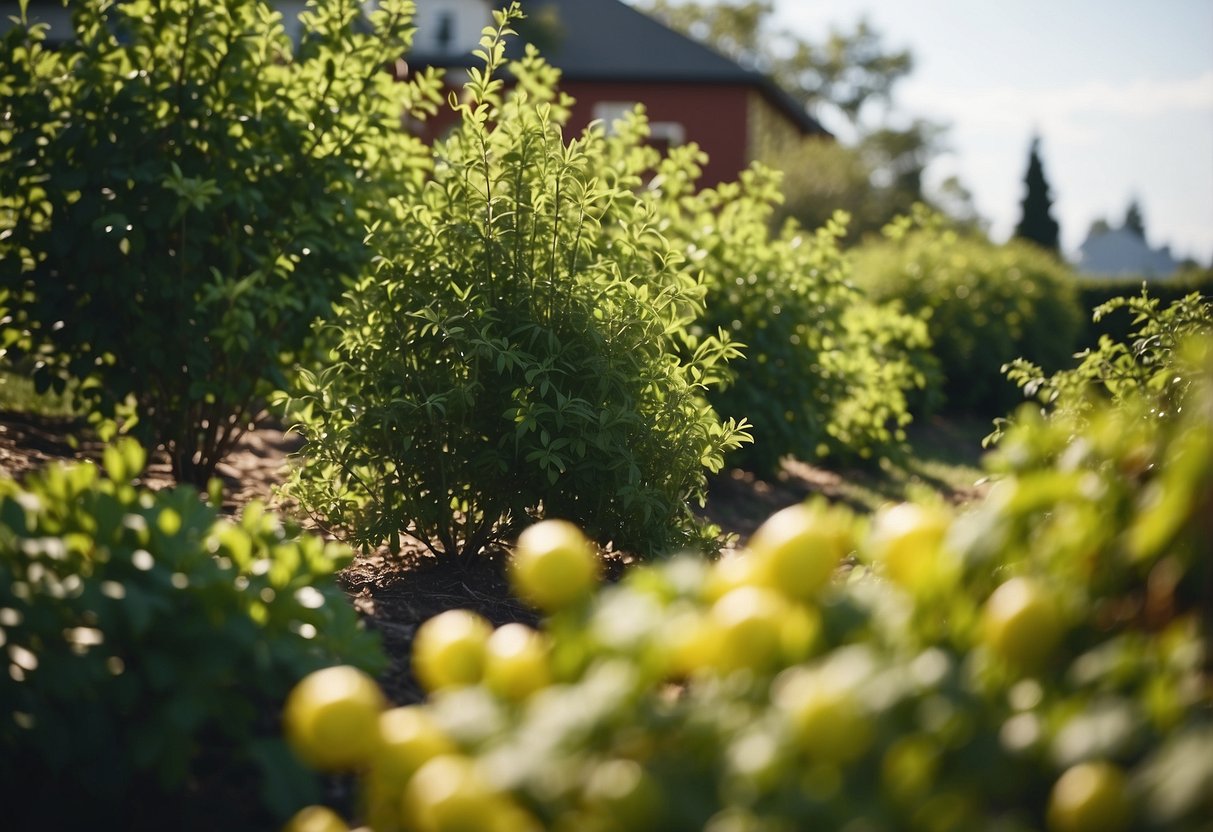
pixel 984 304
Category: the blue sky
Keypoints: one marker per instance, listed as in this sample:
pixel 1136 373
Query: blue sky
pixel 1120 91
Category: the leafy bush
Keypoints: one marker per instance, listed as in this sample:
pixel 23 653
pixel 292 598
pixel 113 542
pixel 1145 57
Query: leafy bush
pixel 1150 364
pixel 182 192
pixel 148 647
pixel 1094 292
pixel 825 371
pixel 1041 661
pixel 517 351
pixel 984 305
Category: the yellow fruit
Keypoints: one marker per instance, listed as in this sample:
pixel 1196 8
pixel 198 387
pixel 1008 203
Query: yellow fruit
pixel 688 643
pixel 748 626
pixel 516 662
pixel 449 650
pixel 622 796
pixel 554 565
pixel 797 549
pixel 408 739
pixel 316 819
pixel 331 718
pixel 451 794
pixel 1090 797
pixel 828 721
pixel 1021 623
pixel 906 541
pixel 731 572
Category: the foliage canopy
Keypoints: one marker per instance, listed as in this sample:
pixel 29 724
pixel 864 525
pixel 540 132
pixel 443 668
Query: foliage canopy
pixel 522 347
pixel 184 190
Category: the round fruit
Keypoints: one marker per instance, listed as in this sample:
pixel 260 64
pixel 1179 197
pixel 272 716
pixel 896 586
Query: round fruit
pixel 450 794
pixel 331 718
pixel 1090 797
pixel 906 541
pixel 732 571
pixel 449 649
pixel 825 714
pixel 516 661
pixel 408 738
pixel 689 643
pixel 554 565
pixel 1021 623
pixel 621 795
pixel 316 819
pixel 748 626
pixel 798 548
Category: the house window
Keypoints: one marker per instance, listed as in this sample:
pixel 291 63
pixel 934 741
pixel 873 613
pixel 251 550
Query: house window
pixel 662 134
pixel 609 112
pixel 444 32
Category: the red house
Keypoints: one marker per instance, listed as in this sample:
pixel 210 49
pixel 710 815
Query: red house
pixel 613 56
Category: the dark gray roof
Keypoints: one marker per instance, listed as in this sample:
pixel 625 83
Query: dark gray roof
pixel 608 40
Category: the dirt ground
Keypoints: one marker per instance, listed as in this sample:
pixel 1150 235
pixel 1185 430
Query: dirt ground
pixel 395 594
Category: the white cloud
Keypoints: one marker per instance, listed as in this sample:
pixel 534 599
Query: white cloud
pixel 1003 106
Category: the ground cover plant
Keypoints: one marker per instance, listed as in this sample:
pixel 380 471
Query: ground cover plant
pixel 182 191
pixel 984 305
pixel 148 646
pixel 1040 660
pixel 521 349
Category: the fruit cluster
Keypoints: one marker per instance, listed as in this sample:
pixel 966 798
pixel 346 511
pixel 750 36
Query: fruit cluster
pixel 840 672
pixel 1036 661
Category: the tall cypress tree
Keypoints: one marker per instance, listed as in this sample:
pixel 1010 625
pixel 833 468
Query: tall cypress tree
pixel 1133 220
pixel 1037 224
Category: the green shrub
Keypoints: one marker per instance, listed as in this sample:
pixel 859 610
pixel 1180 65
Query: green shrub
pixel 825 371
pixel 965 674
pixel 148 647
pixel 1093 292
pixel 1150 363
pixel 517 351
pixel 984 305
pixel 182 192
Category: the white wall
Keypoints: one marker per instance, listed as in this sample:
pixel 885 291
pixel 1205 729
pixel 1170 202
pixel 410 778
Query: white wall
pixel 467 19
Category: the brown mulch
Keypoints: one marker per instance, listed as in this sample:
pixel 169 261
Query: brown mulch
pixel 394 594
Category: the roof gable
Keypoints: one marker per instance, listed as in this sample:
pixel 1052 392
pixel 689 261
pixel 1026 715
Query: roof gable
pixel 608 40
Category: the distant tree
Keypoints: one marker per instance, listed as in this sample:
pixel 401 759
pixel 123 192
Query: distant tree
pixel 845 73
pixel 956 202
pixel 1099 227
pixel 1037 224
pixel 877 176
pixel 1133 220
